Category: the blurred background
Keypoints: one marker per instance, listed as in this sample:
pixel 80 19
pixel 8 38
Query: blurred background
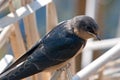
pixel 105 12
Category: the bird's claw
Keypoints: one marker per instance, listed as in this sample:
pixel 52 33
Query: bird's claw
pixel 59 71
pixel 67 66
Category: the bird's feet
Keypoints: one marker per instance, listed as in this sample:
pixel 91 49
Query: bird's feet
pixel 67 66
pixel 58 72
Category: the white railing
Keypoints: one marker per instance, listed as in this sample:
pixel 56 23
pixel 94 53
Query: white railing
pixel 14 17
pixel 91 45
pixel 93 67
pixel 22 12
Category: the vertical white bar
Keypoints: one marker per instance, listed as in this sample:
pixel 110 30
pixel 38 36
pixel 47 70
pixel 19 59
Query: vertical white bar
pixel 90 8
pixel 87 54
pixel 118 29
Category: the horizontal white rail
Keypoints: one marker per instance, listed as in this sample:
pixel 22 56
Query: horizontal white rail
pixel 103 44
pixel 99 62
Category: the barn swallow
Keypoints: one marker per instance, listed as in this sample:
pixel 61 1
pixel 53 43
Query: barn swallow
pixel 55 49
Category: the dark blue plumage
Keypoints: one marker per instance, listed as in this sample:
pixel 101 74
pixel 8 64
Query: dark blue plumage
pixel 56 47
pixel 53 49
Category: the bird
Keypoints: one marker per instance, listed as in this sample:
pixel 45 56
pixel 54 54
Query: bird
pixel 55 49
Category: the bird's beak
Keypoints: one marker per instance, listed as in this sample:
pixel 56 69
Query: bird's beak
pixel 95 35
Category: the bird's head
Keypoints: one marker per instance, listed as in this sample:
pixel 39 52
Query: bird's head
pixel 85 27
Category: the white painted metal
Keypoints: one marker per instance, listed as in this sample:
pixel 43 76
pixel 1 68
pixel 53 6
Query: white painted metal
pixel 99 62
pixel 22 12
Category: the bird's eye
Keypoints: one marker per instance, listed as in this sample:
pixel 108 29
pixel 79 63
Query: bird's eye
pixel 89 29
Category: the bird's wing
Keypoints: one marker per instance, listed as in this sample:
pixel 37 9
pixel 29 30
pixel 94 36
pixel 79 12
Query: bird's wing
pixel 29 52
pixel 63 48
pixel 23 57
pixel 56 47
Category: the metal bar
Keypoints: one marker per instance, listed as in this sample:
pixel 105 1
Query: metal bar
pixel 103 44
pixel 90 8
pixel 99 62
pixel 87 54
pixel 5 61
pixel 5 34
pixel 3 4
pixel 56 74
pixel 22 12
pixel 108 43
pixel 69 74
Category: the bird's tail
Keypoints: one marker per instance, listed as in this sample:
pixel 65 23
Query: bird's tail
pixel 24 70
